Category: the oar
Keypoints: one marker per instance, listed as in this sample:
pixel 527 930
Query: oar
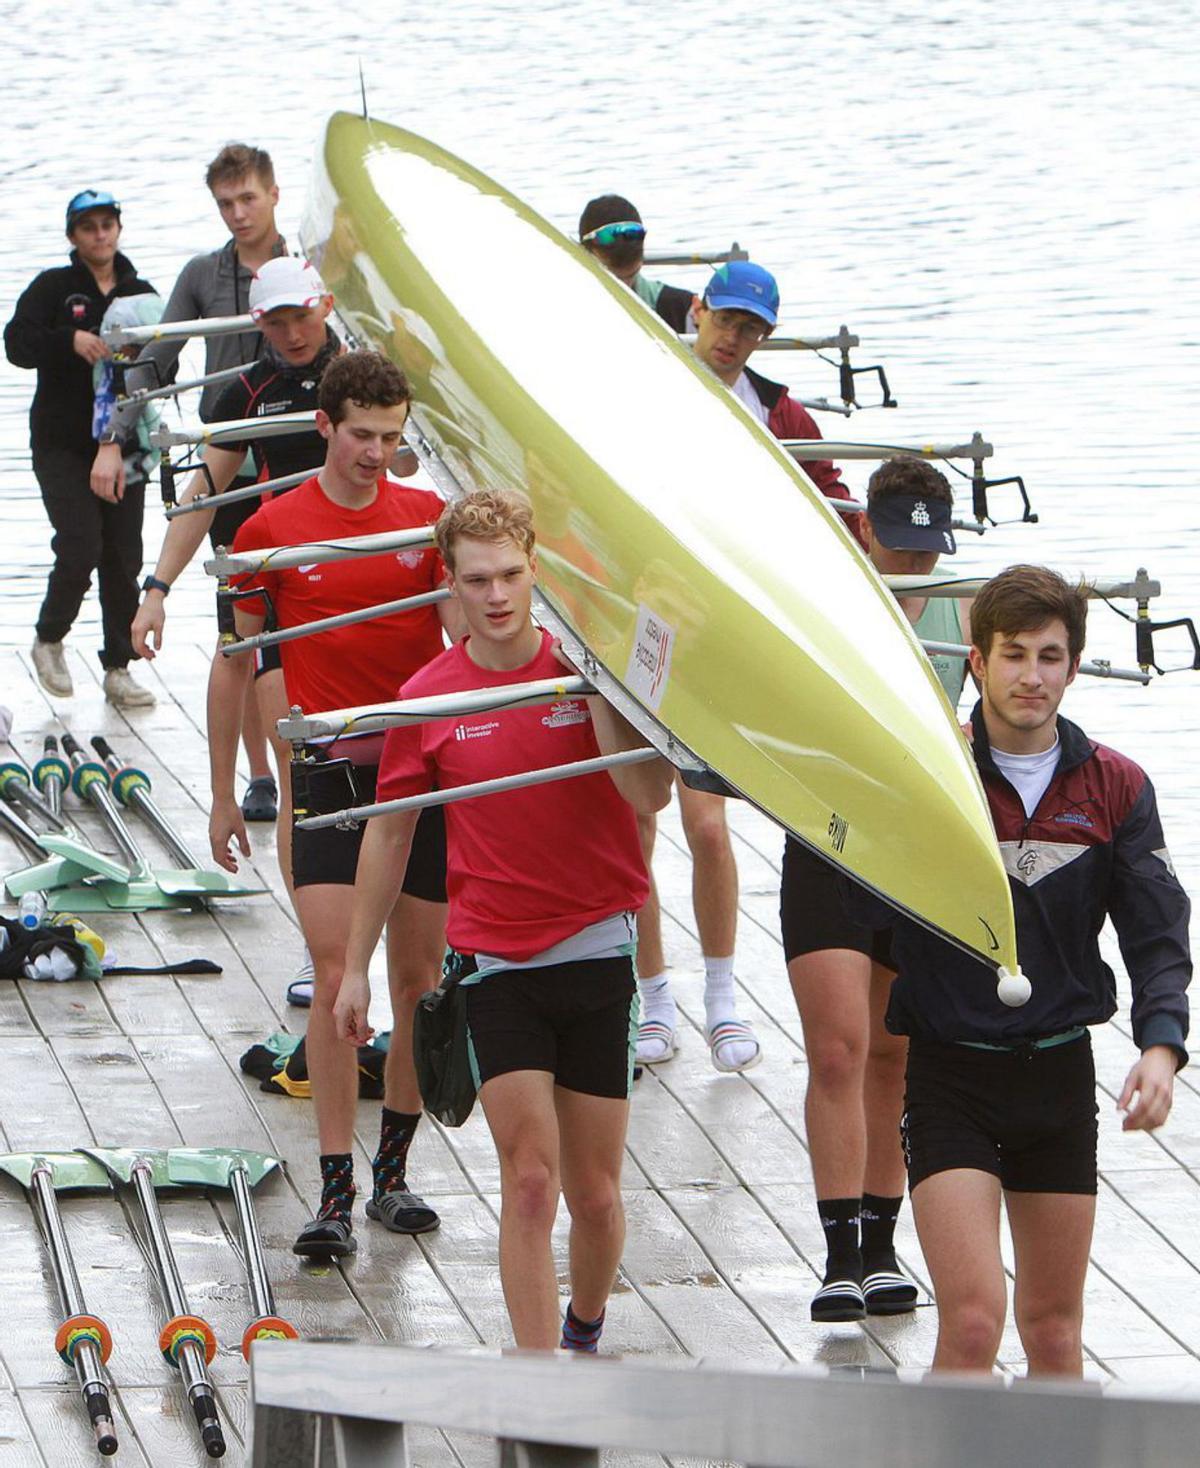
pixel 237 430
pixel 570 771
pixel 235 496
pixel 343 548
pixel 131 786
pixel 51 774
pixel 300 727
pixel 239 1171
pixel 173 389
pixel 82 1340
pixel 186 1341
pixel 174 331
pixel 15 786
pixel 70 861
pixel 331 624
pixel 697 257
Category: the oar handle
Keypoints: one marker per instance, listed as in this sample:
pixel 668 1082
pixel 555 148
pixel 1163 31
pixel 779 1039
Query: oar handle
pixel 103 748
pixel 71 747
pixel 50 745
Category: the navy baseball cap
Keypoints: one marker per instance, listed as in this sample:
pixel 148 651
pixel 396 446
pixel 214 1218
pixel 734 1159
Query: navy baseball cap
pixel 90 199
pixel 740 285
pixel 912 522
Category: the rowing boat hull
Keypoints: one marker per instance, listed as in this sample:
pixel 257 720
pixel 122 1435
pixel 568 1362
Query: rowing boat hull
pixel 698 564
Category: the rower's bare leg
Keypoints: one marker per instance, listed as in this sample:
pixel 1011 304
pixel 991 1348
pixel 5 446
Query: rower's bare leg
pixel 883 1094
pixel 714 902
pixel 592 1142
pixel 270 697
pixel 416 943
pixel 832 989
pixel 1052 1234
pixel 656 1032
pixel 332 1070
pixel 520 1112
pixel 958 1221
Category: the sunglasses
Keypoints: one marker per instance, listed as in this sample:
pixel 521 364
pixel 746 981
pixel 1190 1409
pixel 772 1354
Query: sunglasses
pixel 610 234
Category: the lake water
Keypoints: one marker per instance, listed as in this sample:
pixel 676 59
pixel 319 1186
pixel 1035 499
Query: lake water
pixel 999 199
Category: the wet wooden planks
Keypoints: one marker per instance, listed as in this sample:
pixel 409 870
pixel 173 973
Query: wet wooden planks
pixel 724 1245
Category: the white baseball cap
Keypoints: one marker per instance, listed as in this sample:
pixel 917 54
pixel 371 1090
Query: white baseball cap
pixel 284 281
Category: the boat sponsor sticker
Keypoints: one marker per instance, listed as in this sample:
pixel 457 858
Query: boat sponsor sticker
pixel 650 660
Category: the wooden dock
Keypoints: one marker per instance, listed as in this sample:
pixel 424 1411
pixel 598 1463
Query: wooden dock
pixel 724 1244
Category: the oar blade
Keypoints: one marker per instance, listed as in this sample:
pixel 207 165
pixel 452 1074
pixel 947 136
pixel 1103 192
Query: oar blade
pixel 210 1167
pixel 198 882
pixel 119 1162
pixel 85 856
pixel 70 1171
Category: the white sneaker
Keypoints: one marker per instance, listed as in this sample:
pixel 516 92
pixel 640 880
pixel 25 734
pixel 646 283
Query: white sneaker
pixel 50 664
pixel 123 693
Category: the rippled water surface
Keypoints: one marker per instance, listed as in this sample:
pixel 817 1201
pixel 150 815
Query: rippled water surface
pixel 1000 199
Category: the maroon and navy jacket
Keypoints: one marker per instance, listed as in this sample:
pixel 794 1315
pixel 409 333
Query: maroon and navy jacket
pixel 1093 849
pixel 789 419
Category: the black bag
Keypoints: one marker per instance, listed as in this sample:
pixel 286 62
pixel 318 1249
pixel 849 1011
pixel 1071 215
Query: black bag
pixel 440 1050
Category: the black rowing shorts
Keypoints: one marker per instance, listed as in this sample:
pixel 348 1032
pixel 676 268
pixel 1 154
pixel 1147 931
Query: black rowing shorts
pixel 576 1020
pixel 330 857
pixel 1026 1116
pixel 813 914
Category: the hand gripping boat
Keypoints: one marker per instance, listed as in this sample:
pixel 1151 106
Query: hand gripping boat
pixel 714 593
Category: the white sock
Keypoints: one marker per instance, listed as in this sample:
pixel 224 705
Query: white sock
pixel 657 1004
pixel 720 1006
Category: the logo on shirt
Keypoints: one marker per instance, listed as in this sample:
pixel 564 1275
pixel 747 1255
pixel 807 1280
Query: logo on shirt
pixel 410 560
pixel 264 410
pixel 562 714
pixel 78 307
pixel 1074 818
pixel 475 731
pixel 920 515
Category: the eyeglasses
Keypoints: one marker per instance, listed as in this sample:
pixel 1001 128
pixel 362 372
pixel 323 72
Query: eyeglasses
pixel 732 323
pixel 609 234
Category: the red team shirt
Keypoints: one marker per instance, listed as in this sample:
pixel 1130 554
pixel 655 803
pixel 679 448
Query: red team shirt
pixel 528 868
pixel 368 661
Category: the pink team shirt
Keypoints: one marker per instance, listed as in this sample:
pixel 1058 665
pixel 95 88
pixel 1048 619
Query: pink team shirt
pixel 528 868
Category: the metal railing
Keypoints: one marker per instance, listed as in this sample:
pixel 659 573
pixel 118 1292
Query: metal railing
pixel 317 1405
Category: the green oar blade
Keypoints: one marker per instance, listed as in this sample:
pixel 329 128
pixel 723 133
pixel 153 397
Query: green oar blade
pixel 141 894
pixel 71 1171
pixel 209 1167
pixel 85 856
pixel 196 882
pixel 118 1162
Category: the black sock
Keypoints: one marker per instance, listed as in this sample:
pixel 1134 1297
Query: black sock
pixel 581 1335
pixel 839 1219
pixel 396 1131
pixel 878 1229
pixel 337 1186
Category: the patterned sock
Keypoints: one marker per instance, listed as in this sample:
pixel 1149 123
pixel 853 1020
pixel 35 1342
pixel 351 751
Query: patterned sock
pixel 396 1131
pixel 878 1228
pixel 839 1219
pixel 581 1335
pixel 888 1291
pixel 337 1186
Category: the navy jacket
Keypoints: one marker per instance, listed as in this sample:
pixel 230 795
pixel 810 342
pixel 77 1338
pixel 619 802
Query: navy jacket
pixel 41 334
pixel 1094 848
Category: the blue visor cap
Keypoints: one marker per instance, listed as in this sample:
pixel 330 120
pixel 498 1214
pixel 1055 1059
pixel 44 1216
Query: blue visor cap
pixel 90 199
pixel 740 285
pixel 909 522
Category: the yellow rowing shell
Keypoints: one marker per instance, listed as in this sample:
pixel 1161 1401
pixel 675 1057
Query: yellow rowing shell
pixel 701 567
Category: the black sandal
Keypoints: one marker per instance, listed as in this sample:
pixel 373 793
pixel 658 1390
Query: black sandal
pixel 261 800
pixel 325 1238
pixel 403 1213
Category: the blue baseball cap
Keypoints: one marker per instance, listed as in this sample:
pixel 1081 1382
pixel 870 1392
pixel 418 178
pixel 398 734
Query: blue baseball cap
pixel 90 199
pixel 740 285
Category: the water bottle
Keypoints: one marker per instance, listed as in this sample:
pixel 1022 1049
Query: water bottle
pixel 31 909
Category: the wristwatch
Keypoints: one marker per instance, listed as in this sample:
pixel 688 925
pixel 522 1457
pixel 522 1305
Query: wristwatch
pixel 152 583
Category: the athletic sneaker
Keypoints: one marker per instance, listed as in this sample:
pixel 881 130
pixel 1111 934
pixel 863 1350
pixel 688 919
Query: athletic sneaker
pixel 50 664
pixel 300 990
pixel 123 693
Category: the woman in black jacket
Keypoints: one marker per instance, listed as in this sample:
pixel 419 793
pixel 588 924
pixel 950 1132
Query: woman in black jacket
pixel 54 330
